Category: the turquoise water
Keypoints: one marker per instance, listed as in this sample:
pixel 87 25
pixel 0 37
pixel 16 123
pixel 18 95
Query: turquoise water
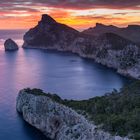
pixel 66 74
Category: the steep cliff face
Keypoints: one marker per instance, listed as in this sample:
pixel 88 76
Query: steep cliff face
pixel 116 52
pixel 48 33
pixel 108 49
pixel 57 121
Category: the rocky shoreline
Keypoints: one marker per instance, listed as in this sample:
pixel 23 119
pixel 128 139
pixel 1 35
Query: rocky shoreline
pixel 55 120
pixel 107 49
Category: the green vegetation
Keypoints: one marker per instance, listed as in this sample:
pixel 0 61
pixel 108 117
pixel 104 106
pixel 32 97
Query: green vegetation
pixel 35 91
pixel 116 112
pixel 39 92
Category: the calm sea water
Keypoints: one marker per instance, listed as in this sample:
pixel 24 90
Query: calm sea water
pixel 66 74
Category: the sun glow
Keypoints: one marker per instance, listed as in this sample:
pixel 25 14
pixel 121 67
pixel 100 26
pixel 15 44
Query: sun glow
pixel 26 16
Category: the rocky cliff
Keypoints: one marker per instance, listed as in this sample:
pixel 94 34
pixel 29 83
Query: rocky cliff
pixel 55 120
pixel 108 49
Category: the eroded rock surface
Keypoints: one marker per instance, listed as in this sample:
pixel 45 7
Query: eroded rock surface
pixel 57 121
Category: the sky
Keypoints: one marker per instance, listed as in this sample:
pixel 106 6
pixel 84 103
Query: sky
pixel 79 14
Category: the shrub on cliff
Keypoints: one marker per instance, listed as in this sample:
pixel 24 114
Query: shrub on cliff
pixel 118 112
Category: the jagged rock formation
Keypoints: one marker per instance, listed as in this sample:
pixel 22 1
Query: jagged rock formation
pixel 48 33
pixel 132 32
pixel 57 121
pixel 108 49
pixel 10 45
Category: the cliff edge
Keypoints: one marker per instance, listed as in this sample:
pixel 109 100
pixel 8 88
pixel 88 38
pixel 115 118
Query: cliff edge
pixel 55 120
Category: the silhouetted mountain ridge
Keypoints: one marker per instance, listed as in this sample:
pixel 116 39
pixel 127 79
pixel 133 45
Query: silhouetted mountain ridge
pixel 132 32
pixel 49 32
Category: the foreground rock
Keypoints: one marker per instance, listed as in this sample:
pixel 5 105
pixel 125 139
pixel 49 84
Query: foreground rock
pixel 10 45
pixel 108 49
pixel 55 120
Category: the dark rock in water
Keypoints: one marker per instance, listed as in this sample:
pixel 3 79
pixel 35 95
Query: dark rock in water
pixel 10 45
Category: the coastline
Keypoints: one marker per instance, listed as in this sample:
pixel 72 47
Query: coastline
pixel 82 56
pixel 108 49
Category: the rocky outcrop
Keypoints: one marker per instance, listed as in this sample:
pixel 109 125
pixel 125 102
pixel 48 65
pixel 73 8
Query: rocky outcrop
pixel 108 49
pixel 10 45
pixel 50 34
pixel 55 120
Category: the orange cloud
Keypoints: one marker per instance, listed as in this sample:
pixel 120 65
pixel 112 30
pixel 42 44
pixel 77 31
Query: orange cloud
pixel 26 16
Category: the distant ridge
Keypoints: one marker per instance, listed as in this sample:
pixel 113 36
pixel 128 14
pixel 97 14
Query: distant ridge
pixel 131 32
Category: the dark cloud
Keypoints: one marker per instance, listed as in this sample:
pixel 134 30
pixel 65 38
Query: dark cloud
pixel 126 13
pixel 87 4
pixel 15 5
pixel 97 17
pixel 75 4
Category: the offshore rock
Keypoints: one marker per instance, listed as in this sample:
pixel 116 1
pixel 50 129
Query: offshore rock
pixel 10 45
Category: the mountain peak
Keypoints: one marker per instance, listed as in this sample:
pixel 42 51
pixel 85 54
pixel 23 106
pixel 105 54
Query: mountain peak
pixel 47 19
pixel 133 27
pixel 100 25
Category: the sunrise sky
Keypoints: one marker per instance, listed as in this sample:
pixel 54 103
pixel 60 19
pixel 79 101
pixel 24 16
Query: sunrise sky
pixel 80 14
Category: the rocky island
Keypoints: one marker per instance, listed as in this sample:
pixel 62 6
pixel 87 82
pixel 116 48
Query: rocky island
pixel 10 45
pixel 109 48
pixel 49 114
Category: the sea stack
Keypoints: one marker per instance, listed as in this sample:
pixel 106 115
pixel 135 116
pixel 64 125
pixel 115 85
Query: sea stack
pixel 10 45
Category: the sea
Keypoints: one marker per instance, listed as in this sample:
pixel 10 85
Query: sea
pixel 65 74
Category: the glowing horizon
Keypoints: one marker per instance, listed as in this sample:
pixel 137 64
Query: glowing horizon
pixel 26 14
